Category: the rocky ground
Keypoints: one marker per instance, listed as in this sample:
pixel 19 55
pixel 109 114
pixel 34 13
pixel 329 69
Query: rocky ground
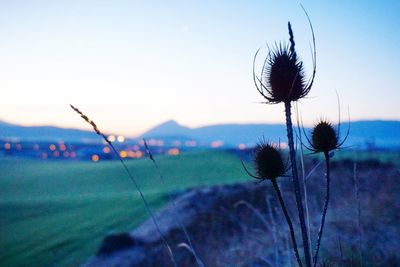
pixel 242 224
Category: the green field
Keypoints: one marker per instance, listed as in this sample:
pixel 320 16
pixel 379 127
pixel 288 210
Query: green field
pixel 56 213
pixel 381 156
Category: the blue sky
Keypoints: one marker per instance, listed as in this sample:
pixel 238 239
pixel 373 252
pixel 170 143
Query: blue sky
pixel 133 64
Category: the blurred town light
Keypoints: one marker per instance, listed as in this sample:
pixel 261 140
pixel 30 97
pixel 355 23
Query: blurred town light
pixel 242 146
pixel 111 138
pixel 95 158
pixel 173 152
pixel 62 147
pixel 217 144
pixel 123 154
pixel 139 154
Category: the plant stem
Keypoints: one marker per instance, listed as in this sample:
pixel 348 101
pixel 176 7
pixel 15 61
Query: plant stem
pixel 296 184
pixel 146 204
pixel 176 214
pixel 303 177
pixel 328 180
pixel 273 224
pixel 357 195
pixel 288 220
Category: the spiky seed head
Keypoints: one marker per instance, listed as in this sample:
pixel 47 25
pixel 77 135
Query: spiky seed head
pixel 268 162
pixel 285 75
pixel 324 137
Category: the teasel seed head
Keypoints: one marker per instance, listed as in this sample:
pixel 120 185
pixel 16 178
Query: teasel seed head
pixel 268 162
pixel 282 77
pixel 285 76
pixel 324 137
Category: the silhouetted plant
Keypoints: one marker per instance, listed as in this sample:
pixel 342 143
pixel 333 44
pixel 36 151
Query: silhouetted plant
pixel 282 80
pixel 269 165
pixel 177 217
pixel 324 139
pixel 146 204
pixel 357 197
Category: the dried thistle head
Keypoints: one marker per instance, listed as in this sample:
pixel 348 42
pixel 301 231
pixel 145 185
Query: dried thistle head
pixel 268 162
pixel 324 137
pixel 282 77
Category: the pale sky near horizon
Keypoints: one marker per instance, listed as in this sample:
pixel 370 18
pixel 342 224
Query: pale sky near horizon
pixel 133 64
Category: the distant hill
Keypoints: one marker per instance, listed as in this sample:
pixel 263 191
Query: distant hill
pixel 230 134
pixel 168 129
pixel 45 133
pixel 379 133
pixel 363 134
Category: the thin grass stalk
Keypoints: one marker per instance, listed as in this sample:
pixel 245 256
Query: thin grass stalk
pixel 172 200
pixel 357 196
pixel 314 169
pixel 340 250
pixel 288 251
pixel 352 258
pixel 147 207
pixel 255 211
pixel 303 176
pixel 274 237
pixel 328 180
pixel 146 204
pixel 190 249
pixel 296 184
pixel 288 220
pixel 268 262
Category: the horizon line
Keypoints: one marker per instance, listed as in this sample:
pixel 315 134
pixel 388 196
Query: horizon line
pixel 87 129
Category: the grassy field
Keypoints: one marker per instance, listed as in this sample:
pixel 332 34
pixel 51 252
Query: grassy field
pixel 56 213
pixel 382 156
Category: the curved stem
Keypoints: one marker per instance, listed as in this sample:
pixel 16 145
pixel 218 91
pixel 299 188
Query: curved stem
pixel 325 208
pixel 303 175
pixel 177 215
pixel 296 184
pixel 288 220
pixel 146 204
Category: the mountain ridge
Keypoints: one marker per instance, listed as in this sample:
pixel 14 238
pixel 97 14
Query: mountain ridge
pixel 364 133
pixel 379 133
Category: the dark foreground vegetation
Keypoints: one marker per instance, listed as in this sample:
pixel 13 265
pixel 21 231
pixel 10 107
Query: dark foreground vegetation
pixel 58 213
pixel 242 224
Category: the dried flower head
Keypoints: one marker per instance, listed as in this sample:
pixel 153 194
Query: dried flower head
pixel 325 138
pixel 269 166
pixel 282 76
pixel 285 76
pixel 268 162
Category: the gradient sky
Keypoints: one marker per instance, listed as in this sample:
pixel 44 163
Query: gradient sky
pixel 133 64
